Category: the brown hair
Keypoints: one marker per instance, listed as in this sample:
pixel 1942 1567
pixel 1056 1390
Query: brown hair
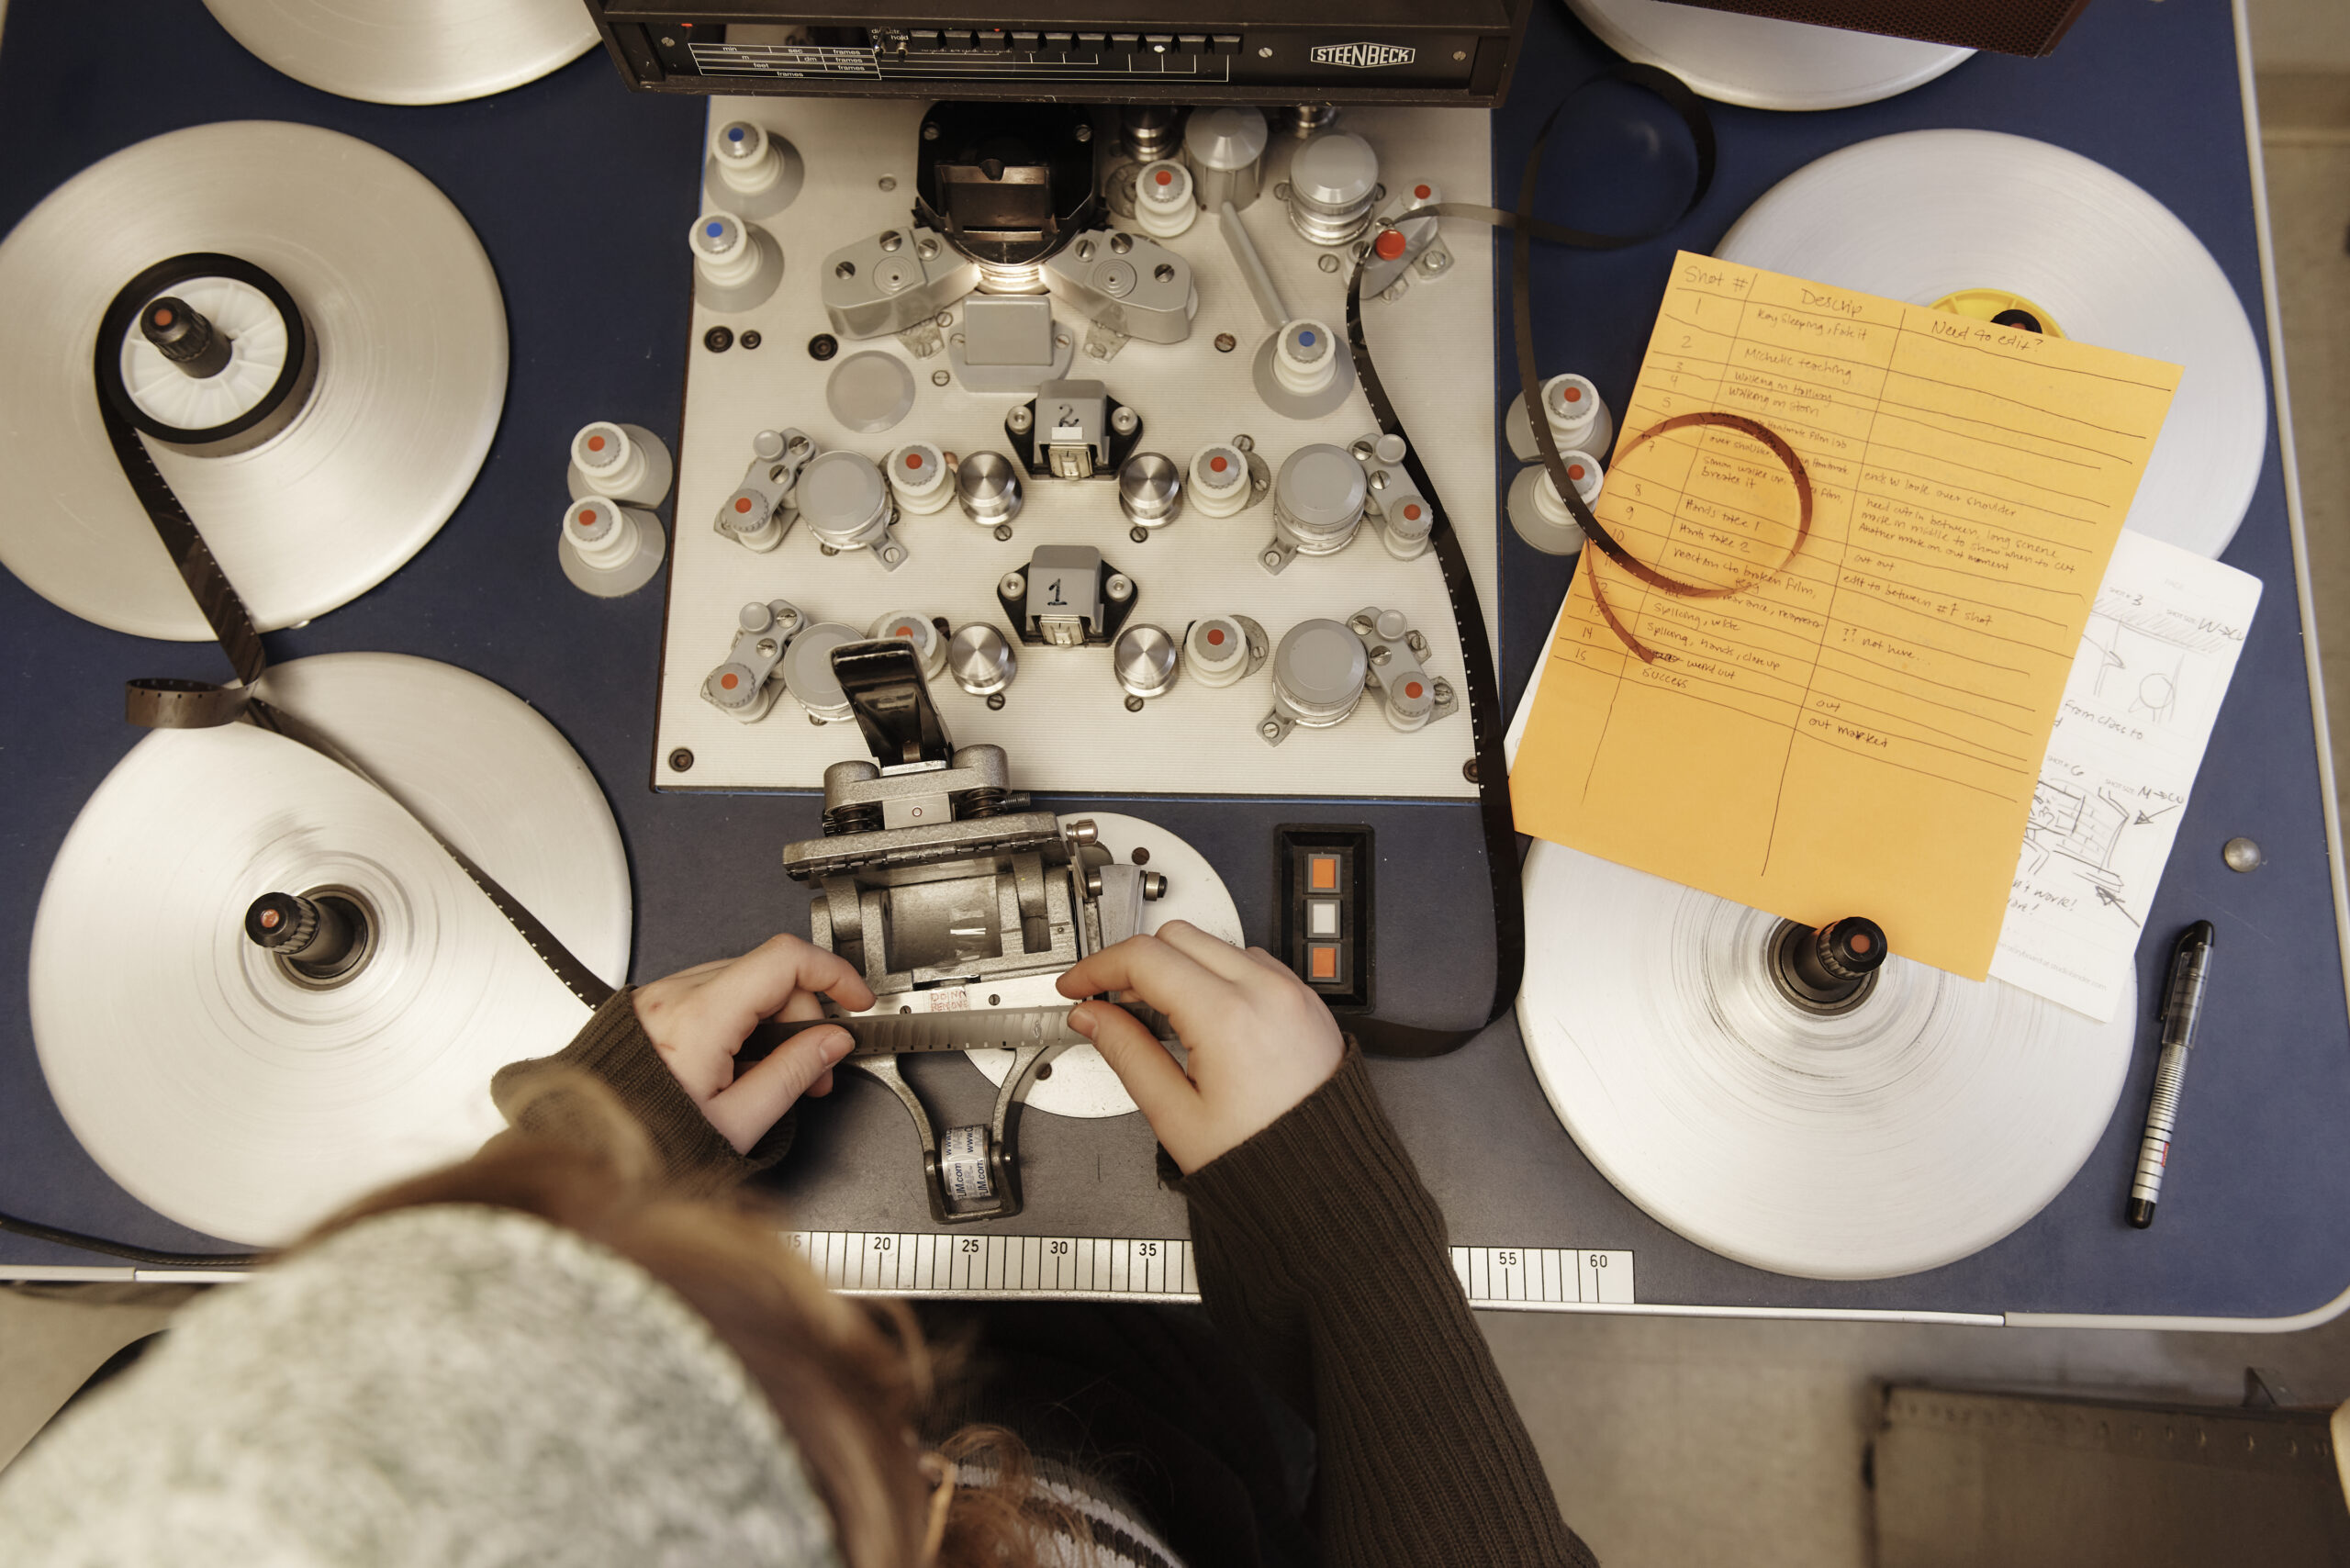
pixel 850 1379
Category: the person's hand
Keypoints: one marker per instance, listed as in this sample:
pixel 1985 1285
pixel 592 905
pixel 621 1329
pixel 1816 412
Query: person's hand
pixel 1258 1040
pixel 698 1018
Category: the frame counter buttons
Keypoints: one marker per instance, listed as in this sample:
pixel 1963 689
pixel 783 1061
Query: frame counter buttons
pixel 1324 909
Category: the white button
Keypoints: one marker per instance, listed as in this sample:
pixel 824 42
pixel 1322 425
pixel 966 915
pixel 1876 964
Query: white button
pixel 1321 917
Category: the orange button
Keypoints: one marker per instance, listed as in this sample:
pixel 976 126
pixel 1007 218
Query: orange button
pixel 1322 962
pixel 1322 873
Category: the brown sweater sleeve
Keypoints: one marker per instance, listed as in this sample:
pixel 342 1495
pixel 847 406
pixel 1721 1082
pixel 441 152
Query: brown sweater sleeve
pixel 614 1048
pixel 1323 1261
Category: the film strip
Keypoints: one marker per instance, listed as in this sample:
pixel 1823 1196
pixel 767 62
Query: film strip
pixel 188 704
pixel 1381 1036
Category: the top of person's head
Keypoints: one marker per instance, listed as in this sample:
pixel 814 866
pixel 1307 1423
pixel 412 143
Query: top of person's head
pixel 452 1385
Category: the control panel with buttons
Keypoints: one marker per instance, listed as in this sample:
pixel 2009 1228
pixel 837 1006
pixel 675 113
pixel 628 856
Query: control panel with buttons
pixel 1460 54
pixel 1324 909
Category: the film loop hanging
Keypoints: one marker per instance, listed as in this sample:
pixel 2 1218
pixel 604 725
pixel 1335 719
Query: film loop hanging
pixel 127 326
pixel 1648 576
pixel 1380 1037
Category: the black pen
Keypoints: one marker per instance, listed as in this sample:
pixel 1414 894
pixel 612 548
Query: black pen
pixel 2190 963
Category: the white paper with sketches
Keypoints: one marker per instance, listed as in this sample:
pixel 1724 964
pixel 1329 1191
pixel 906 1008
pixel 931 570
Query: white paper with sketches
pixel 2146 688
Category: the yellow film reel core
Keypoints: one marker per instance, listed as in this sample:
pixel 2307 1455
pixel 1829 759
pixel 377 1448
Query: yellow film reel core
pixel 2002 309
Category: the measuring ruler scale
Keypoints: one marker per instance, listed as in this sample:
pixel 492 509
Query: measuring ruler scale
pixel 882 1263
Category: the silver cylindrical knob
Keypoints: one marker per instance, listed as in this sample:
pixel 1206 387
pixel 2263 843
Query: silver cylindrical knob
pixel 1224 149
pixel 1151 489
pixel 1150 130
pixel 1215 650
pixel 808 669
pixel 1145 659
pixel 1319 672
pixel 929 644
pixel 1318 498
pixel 843 500
pixel 1333 182
pixel 981 659
pixel 987 487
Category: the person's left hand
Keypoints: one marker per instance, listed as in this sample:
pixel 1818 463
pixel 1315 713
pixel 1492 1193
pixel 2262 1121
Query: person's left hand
pixel 698 1018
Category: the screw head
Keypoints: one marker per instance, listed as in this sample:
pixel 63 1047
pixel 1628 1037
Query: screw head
pixel 995 702
pixel 1244 444
pixel 824 345
pixel 1123 420
pixel 1018 419
pixel 1269 728
pixel 1468 770
pixel 939 378
pixel 1121 588
pixel 1134 704
pixel 1002 532
pixel 1328 263
pixel 888 181
pixel 2242 854
pixel 718 340
pixel 930 132
pixel 751 339
pixel 1225 342
pixel 681 761
pixel 828 550
pixel 1141 857
pixel 1137 533
pixel 1084 132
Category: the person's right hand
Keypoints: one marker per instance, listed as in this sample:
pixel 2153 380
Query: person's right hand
pixel 1258 1040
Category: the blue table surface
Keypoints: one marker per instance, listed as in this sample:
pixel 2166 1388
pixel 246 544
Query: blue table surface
pixel 579 191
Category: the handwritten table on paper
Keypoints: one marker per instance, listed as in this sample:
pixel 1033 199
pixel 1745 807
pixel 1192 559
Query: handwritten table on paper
pixel 1859 731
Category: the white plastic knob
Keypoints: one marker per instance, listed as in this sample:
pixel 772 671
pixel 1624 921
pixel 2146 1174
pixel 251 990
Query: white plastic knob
pixel 1215 651
pixel 603 532
pixel 930 647
pixel 723 248
pixel 1220 482
pixel 919 475
pixel 1578 415
pixel 1584 472
pixel 1305 357
pixel 747 161
pixel 1163 202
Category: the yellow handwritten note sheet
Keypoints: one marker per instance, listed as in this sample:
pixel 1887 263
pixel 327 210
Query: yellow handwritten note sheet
pixel 1858 730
